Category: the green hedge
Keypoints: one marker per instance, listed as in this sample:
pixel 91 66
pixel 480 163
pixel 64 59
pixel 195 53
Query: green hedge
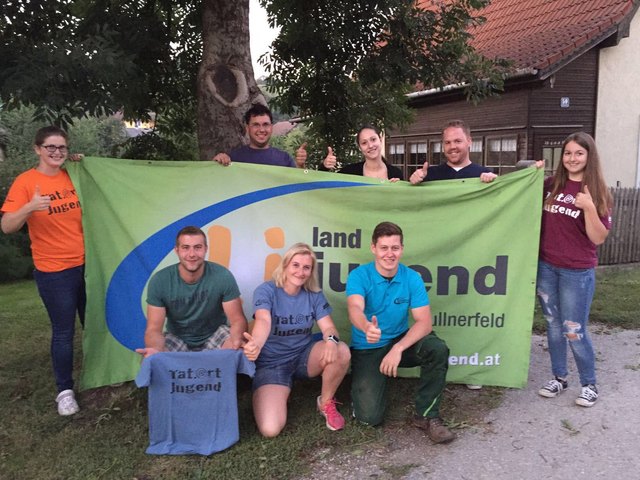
pixel 91 136
pixel 15 257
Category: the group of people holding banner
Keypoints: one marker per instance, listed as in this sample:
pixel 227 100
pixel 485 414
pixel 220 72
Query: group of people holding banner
pixel 201 303
pixel 576 218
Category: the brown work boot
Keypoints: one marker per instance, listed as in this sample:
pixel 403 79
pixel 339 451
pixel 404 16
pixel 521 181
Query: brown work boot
pixel 435 429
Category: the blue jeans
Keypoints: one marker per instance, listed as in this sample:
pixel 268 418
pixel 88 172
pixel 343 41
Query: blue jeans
pixel 565 296
pixel 63 294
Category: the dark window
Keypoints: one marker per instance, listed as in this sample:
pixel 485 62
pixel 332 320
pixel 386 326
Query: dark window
pixel 475 153
pixel 436 157
pixel 396 154
pixel 417 155
pixel 501 154
pixel 552 157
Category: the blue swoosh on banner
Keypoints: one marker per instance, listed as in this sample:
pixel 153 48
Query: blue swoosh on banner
pixel 124 315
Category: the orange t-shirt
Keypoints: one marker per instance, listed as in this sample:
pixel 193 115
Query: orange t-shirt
pixel 57 242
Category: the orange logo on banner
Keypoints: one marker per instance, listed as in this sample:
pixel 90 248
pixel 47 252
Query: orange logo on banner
pixel 220 247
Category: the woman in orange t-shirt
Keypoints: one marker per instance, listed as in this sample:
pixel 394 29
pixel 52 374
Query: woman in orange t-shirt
pixel 45 199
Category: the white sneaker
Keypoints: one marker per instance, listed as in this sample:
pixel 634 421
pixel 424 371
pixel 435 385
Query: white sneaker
pixel 471 386
pixel 588 396
pixel 67 404
pixel 553 387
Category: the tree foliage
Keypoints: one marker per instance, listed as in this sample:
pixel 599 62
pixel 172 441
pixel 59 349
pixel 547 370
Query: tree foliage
pixel 226 84
pixel 75 58
pixel 341 64
pixel 92 136
pixel 336 63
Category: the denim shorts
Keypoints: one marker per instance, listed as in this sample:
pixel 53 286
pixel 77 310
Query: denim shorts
pixel 284 374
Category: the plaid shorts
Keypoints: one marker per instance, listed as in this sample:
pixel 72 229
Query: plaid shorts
pixel 176 344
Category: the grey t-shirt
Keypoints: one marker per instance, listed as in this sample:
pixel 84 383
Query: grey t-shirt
pixel 194 311
pixel 292 319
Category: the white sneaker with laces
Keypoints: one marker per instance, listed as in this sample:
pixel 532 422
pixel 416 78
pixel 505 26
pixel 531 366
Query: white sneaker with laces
pixel 67 404
pixel 553 387
pixel 588 396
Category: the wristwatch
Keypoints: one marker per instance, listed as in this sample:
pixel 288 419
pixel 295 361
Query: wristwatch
pixel 333 338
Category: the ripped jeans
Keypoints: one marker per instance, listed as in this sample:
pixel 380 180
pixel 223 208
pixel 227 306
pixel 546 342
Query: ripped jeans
pixel 565 296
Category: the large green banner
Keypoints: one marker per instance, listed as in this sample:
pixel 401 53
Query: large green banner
pixel 474 244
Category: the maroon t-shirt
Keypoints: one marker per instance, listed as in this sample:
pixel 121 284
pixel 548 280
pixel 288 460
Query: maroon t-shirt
pixel 564 242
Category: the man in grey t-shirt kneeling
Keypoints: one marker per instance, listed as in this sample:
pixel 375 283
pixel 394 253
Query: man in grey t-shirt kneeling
pixel 199 300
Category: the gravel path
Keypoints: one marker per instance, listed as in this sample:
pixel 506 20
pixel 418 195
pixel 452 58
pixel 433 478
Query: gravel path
pixel 527 436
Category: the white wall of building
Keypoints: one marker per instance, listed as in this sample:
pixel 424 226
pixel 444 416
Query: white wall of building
pixel 618 110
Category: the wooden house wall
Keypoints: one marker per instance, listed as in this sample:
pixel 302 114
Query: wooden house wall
pixel 532 110
pixel 549 120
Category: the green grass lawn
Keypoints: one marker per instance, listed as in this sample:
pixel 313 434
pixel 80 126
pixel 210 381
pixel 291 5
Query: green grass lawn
pixel 616 302
pixel 108 437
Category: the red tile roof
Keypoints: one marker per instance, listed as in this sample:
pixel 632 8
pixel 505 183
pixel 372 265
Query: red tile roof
pixel 540 33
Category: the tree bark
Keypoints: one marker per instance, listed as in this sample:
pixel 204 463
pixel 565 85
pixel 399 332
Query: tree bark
pixel 226 87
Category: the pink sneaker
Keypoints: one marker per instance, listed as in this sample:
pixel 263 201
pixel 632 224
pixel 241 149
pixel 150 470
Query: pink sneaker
pixel 335 421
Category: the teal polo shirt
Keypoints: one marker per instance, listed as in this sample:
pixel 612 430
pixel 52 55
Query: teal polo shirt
pixel 388 300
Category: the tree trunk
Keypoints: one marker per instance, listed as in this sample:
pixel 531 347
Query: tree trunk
pixel 226 87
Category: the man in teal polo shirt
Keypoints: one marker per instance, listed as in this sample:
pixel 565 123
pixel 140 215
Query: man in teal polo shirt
pixel 379 297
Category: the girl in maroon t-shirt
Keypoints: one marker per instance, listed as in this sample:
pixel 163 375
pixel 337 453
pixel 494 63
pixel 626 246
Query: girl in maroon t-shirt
pixel 575 220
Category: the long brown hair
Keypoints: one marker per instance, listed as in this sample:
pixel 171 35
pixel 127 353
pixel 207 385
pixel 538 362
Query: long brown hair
pixel 592 177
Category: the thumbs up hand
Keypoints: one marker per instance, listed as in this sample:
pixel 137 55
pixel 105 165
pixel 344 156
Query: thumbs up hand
pixel 372 331
pixel 38 201
pixel 251 348
pixel 584 200
pixel 330 160
pixel 301 155
pixel 420 174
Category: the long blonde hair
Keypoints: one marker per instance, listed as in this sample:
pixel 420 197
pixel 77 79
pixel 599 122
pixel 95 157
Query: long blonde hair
pixel 592 177
pixel 311 284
